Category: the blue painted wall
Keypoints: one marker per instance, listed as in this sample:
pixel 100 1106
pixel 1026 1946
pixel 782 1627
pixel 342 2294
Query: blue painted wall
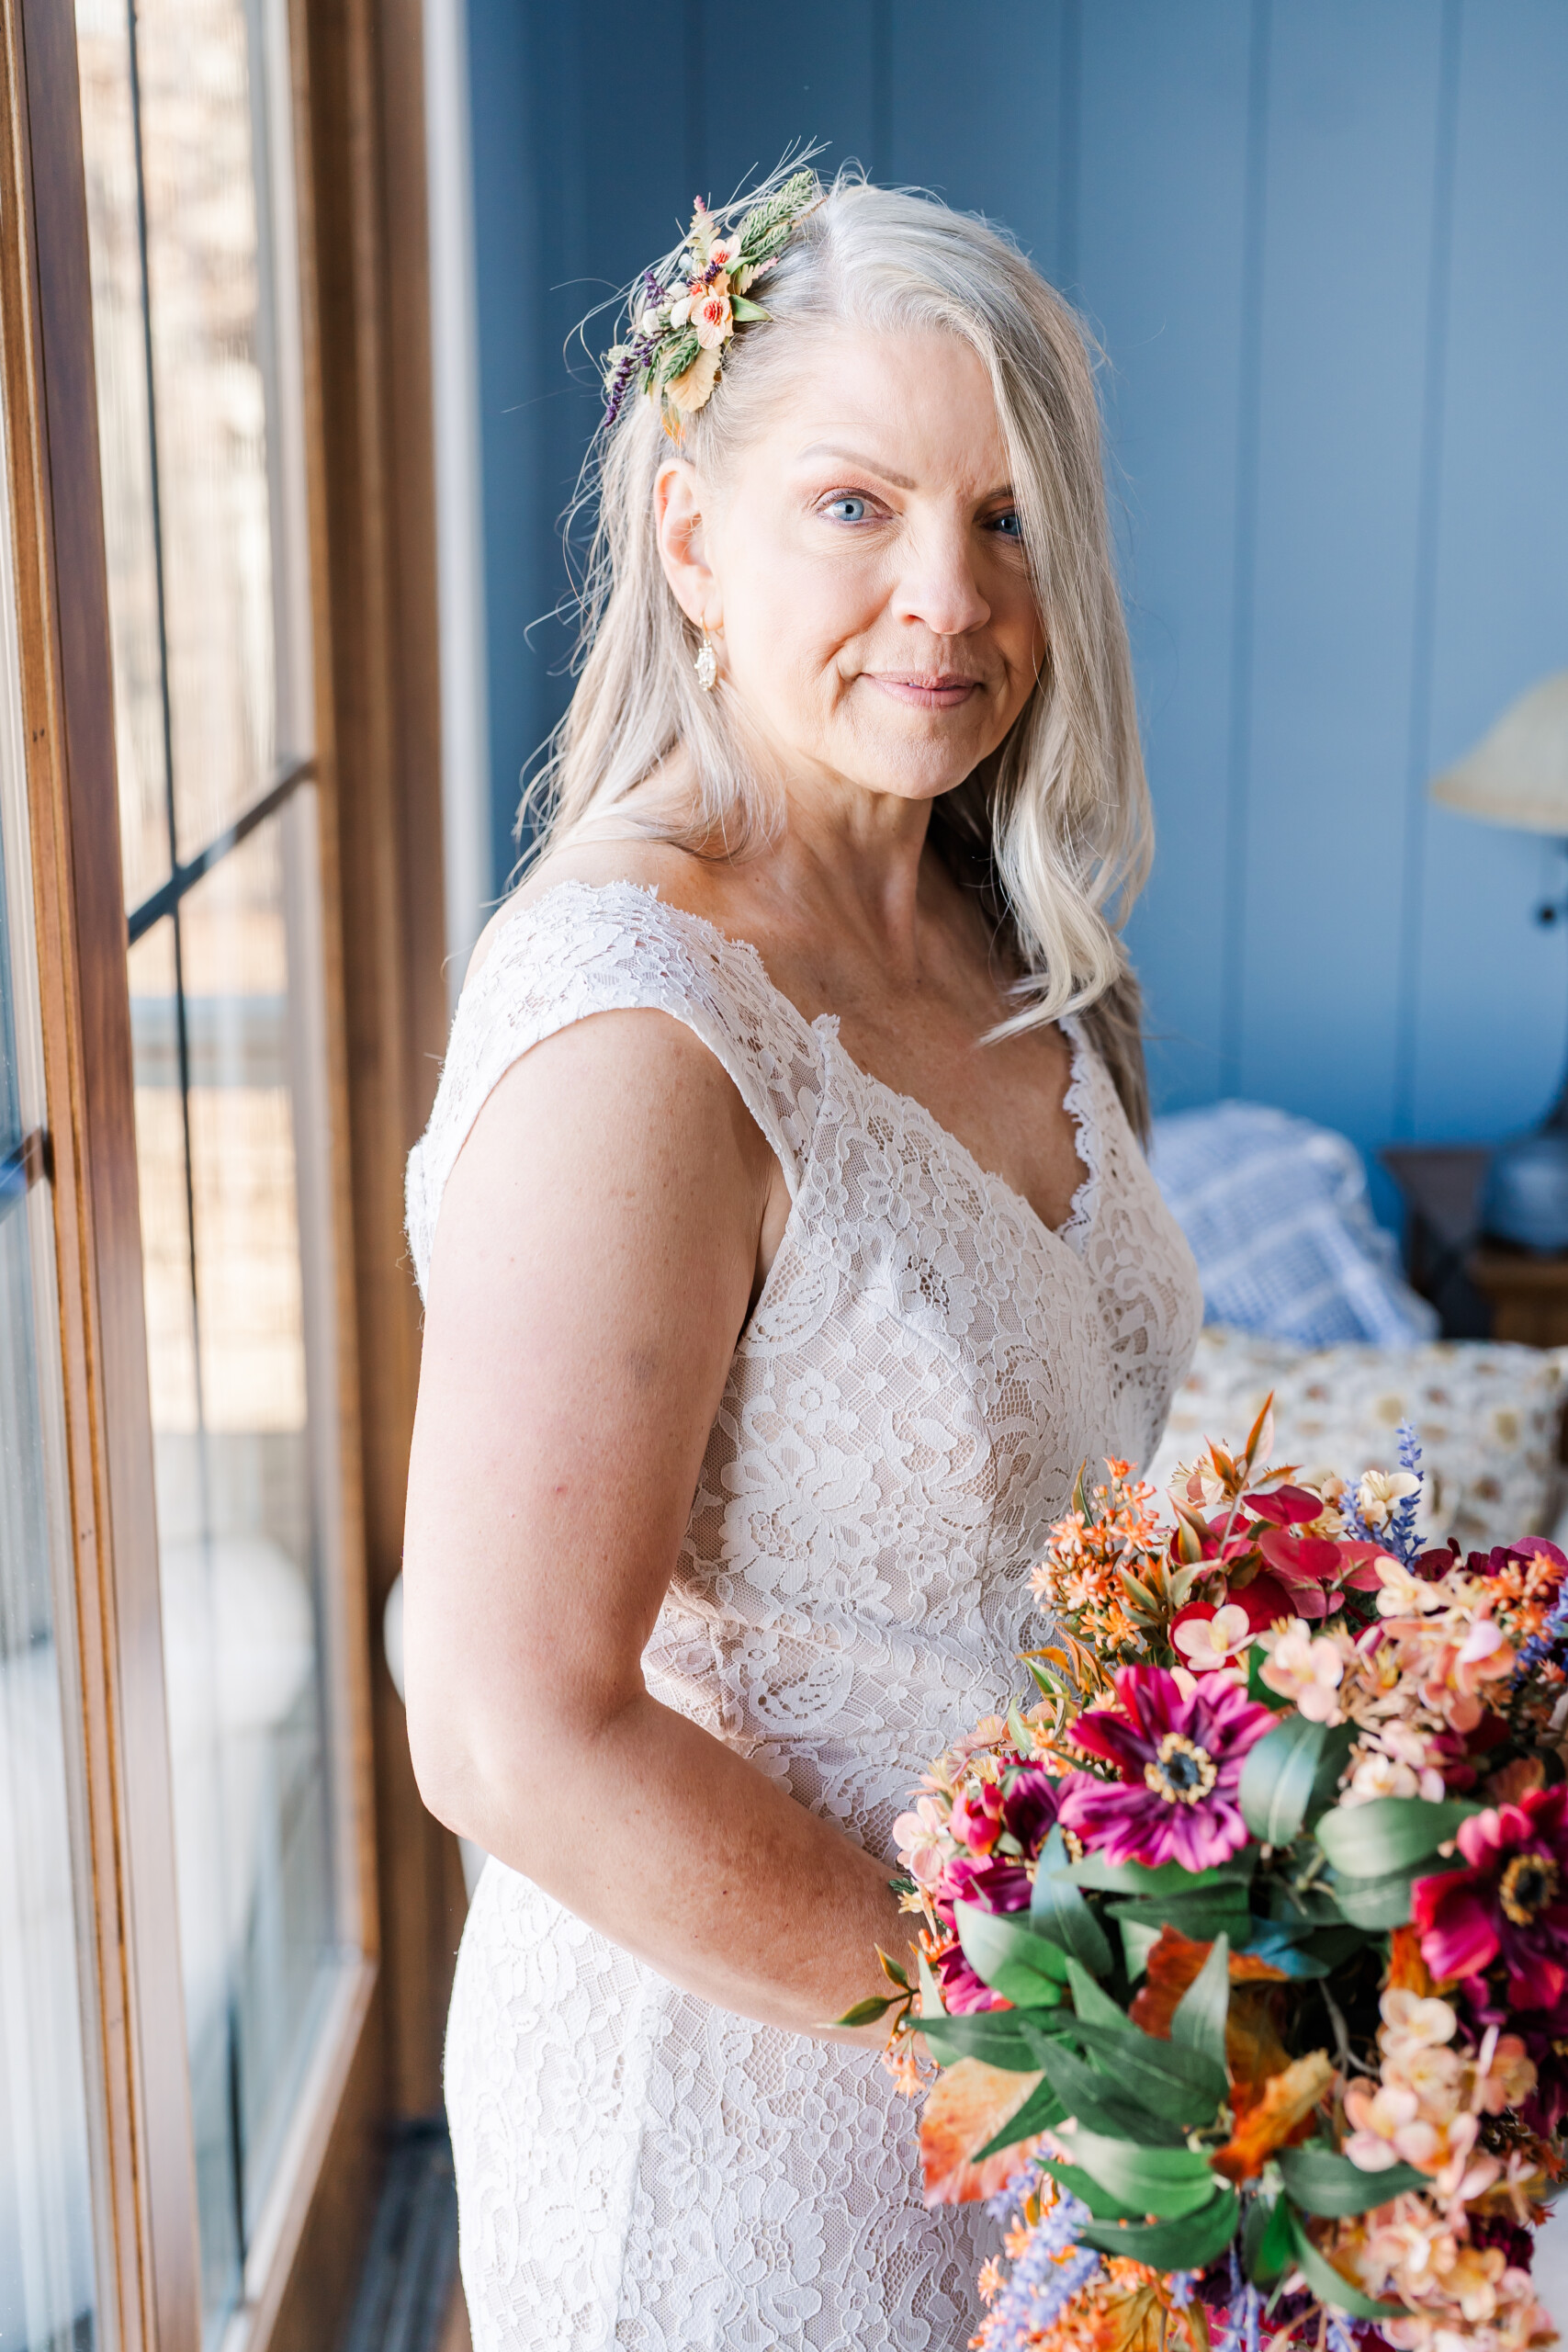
pixel 1325 244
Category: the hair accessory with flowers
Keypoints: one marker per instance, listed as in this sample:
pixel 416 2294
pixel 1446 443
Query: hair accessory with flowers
pixel 685 319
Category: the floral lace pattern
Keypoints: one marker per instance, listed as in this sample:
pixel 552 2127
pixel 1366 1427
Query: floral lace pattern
pixel 925 1368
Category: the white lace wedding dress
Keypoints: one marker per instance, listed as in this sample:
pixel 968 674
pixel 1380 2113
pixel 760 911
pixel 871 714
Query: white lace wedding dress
pixel 925 1370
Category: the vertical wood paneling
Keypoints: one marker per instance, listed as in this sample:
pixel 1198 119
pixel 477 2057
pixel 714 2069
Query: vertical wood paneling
pixel 1353 111
pixel 1163 279
pixel 1434 410
pixel 1324 248
pixel 974 112
pixel 1492 988
pixel 807 74
pixel 510 194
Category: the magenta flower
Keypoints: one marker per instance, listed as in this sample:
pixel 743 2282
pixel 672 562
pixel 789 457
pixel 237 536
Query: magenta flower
pixel 1510 1905
pixel 1180 1762
pixel 977 1817
pixel 962 1992
pixel 1004 1828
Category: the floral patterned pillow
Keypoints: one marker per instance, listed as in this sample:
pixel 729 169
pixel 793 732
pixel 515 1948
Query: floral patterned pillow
pixel 1489 1416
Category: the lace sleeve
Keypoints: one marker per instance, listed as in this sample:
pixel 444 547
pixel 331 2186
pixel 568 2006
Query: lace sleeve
pixel 577 950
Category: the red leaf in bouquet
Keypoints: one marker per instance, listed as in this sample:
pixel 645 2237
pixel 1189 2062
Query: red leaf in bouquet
pixel 1287 1506
pixel 1362 1577
pixel 1193 1612
pixel 1173 1966
pixel 1300 1559
pixel 1265 1600
pixel 968 2105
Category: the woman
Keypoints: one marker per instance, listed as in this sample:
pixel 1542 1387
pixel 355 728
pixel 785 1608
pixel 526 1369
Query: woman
pixel 772 1308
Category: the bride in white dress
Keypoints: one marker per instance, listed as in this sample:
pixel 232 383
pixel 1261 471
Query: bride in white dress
pixel 772 1310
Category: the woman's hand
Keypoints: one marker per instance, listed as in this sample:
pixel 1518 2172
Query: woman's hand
pixel 600 1241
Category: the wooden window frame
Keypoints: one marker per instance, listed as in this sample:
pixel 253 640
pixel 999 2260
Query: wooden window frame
pixel 358 106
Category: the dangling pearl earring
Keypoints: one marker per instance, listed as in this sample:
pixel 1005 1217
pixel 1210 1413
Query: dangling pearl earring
pixel 706 663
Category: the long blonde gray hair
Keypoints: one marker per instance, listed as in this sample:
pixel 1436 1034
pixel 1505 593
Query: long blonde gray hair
pixel 1056 825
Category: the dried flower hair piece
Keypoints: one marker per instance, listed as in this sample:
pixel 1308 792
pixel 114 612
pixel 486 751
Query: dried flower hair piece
pixel 685 321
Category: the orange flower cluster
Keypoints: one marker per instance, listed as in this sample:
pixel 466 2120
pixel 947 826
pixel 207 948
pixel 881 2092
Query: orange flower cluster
pixel 1080 1577
pixel 1524 1593
pixel 1127 2308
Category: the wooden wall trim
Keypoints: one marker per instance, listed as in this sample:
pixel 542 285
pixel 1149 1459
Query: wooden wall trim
pixel 373 501
pixel 45 301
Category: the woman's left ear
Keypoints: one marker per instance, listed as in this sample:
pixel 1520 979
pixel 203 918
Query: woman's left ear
pixel 678 494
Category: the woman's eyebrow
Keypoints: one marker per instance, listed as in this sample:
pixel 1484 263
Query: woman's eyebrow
pixel 828 449
pixel 873 466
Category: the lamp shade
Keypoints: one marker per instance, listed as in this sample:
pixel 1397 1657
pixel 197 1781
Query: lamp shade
pixel 1517 773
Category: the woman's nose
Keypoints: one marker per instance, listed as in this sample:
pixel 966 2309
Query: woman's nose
pixel 938 586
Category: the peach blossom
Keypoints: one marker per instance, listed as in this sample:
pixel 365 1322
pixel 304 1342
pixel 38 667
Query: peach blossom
pixel 711 318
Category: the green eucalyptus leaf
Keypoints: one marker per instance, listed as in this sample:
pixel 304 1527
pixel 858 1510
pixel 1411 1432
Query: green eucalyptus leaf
pixel 1331 1763
pixel 1277 1780
pixel 1184 2085
pixel 1083 2186
pixel 1199 2023
pixel 1057 1910
pixel 998 2036
pixel 1138 1940
pixel 1320 2181
pixel 1167 1878
pixel 1220 1911
pixel 1389 1833
pixel 1009 1957
pixel 1103 2105
pixel 1186 2244
pixel 1331 1947
pixel 1327 2284
pixel 742 309
pixel 1385 1902
pixel 1265 2250
pixel 866 2012
pixel 930 1991
pixel 1302 1906
pixel 1090 2004
pixel 1168 2182
pixel 1040 2112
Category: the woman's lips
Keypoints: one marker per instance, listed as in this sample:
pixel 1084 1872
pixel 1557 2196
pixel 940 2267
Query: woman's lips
pixel 925 693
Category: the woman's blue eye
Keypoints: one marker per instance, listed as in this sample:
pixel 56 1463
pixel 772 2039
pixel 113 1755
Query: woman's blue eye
pixel 847 509
pixel 1008 524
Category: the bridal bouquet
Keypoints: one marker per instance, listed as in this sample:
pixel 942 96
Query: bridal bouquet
pixel 1244 1947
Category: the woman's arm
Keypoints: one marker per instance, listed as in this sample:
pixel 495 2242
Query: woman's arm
pixel 596 1256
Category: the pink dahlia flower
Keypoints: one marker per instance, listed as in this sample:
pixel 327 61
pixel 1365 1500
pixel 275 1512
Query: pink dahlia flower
pixel 1510 1905
pixel 1180 1762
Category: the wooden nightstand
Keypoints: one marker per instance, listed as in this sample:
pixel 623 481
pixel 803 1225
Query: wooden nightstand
pixel 1528 1296
pixel 1440 1185
pixel 1482 1289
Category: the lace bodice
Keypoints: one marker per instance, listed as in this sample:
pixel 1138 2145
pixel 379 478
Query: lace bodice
pixel 925 1370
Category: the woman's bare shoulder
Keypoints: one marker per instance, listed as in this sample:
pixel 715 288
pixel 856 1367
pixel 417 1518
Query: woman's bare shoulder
pixel 695 884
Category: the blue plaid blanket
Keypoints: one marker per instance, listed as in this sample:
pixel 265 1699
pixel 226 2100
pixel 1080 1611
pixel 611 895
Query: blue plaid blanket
pixel 1276 1212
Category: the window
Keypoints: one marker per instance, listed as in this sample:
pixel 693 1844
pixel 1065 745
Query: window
pixel 48 2297
pixel 213 2005
pixel 195 330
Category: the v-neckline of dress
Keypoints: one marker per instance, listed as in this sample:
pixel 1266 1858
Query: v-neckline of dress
pixel 1083 1208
